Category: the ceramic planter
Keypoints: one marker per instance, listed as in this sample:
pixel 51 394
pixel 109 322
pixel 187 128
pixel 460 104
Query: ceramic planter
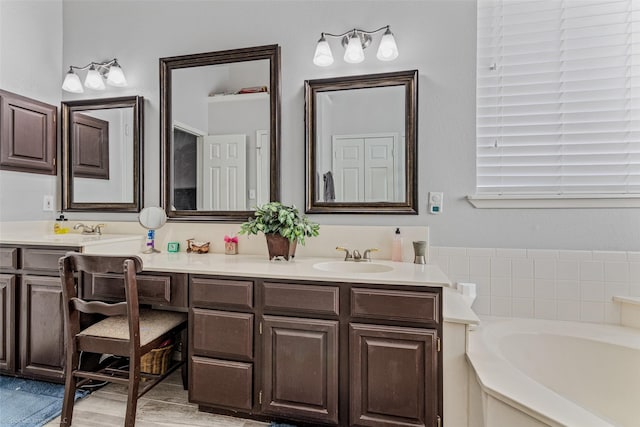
pixel 280 246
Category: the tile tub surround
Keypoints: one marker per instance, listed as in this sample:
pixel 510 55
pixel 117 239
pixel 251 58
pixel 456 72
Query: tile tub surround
pixel 544 284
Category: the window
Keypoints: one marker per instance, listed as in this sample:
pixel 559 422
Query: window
pixel 558 99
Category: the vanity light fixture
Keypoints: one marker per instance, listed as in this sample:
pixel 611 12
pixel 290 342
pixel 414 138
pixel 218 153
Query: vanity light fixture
pixel 355 41
pixel 97 72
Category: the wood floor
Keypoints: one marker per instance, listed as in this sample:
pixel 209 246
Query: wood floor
pixel 165 405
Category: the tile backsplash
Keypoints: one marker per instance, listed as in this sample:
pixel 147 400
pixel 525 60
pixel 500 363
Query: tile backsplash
pixel 544 284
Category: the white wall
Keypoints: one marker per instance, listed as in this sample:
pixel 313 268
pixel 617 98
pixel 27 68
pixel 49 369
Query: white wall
pixel 30 65
pixel 437 37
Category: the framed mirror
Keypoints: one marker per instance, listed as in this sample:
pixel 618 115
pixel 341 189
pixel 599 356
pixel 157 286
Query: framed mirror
pixel 220 133
pixel 361 144
pixel 102 154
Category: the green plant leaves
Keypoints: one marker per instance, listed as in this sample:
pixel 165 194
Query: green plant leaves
pixel 276 218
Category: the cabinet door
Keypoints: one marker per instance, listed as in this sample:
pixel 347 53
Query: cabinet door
pixel 91 157
pixel 300 368
pixel 28 134
pixel 393 376
pixel 41 327
pixel 7 322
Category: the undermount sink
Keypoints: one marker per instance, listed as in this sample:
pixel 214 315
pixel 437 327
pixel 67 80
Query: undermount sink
pixel 352 267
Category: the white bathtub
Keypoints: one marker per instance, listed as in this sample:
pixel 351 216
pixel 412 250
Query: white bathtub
pixel 552 373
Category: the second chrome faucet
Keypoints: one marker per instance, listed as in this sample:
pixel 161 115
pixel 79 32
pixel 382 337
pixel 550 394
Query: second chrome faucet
pixel 355 255
pixel 89 229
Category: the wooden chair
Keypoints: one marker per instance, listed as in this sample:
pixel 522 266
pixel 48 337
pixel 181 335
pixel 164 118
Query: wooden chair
pixel 127 330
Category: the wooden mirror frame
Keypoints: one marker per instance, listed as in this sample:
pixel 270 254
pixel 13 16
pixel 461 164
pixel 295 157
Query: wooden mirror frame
pixel 68 107
pixel 167 65
pixel 407 79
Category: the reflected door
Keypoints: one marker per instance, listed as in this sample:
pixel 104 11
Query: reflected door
pixel 224 183
pixel 364 168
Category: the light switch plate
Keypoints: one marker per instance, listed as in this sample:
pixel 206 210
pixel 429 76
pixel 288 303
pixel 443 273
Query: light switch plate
pixel 435 202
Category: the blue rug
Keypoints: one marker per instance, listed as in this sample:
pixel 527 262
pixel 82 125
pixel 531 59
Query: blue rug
pixel 29 403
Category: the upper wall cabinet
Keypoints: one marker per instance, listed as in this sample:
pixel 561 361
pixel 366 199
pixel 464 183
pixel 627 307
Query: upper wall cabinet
pixel 361 144
pixel 28 134
pixel 220 133
pixel 102 154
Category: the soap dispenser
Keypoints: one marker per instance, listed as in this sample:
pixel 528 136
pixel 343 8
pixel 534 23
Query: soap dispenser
pixel 396 246
pixel 58 226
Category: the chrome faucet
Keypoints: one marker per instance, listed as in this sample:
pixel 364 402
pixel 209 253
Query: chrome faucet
pixel 89 229
pixel 366 256
pixel 347 254
pixel 356 255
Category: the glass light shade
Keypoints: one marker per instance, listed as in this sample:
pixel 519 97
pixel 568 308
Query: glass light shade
pixel 94 80
pixel 72 83
pixel 388 50
pixel 323 56
pixel 354 54
pixel 116 76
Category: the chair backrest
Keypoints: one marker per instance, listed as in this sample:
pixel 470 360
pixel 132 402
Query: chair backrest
pixel 73 263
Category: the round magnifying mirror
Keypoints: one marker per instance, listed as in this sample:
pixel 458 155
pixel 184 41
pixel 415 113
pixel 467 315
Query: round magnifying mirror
pixel 152 218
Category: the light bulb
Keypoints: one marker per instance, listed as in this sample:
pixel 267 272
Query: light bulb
pixel 94 79
pixel 388 50
pixel 354 54
pixel 323 56
pixel 116 76
pixel 72 82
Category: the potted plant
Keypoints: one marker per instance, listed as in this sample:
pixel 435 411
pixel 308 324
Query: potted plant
pixel 283 227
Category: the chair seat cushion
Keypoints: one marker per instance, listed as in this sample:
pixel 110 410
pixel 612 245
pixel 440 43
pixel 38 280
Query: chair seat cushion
pixel 153 323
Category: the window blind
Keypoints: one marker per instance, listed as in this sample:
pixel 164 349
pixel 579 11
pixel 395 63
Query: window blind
pixel 558 97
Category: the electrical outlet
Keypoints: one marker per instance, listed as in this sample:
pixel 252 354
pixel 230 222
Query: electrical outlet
pixel 47 203
pixel 252 194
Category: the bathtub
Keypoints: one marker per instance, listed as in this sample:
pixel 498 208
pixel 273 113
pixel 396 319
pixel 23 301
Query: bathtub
pixel 531 373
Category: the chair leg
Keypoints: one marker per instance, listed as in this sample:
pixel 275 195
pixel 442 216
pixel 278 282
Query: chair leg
pixel 132 398
pixel 184 356
pixel 69 390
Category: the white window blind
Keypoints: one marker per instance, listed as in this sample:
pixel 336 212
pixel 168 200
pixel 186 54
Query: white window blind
pixel 558 97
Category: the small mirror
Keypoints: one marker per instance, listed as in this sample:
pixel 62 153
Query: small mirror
pixel 152 218
pixel 220 133
pixel 102 161
pixel 361 144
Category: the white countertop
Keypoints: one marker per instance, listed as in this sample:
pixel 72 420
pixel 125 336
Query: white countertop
pixel 68 239
pixel 298 268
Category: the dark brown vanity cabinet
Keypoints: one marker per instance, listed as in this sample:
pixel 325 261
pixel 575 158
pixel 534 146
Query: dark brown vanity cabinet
pixel 300 368
pixel 41 327
pixel 393 375
pixel 7 322
pixel 316 353
pixel 32 322
pixel 221 343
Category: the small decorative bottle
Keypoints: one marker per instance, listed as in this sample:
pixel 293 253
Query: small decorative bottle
pixel 231 245
pixel 396 246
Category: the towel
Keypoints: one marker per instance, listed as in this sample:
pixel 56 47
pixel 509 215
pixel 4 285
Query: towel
pixel 329 189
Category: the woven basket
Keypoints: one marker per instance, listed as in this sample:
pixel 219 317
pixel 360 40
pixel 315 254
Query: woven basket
pixel 157 360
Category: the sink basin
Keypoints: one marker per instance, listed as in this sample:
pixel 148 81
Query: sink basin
pixel 352 267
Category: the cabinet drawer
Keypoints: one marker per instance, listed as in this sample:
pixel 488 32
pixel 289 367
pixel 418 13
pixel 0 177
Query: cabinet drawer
pixel 302 298
pixel 212 293
pixel 9 258
pixel 222 334
pixel 42 259
pixel 388 304
pixel 221 383
pixel 162 290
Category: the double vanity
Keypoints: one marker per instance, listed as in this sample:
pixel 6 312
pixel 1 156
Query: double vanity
pixel 313 340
